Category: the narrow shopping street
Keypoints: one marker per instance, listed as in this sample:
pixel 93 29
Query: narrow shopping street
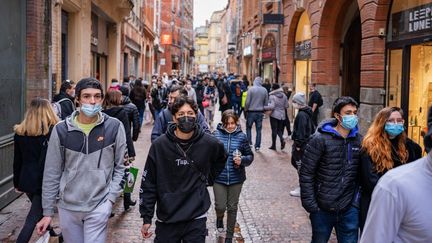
pixel 267 213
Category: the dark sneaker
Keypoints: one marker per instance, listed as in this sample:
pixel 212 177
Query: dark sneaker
pixel 283 145
pixel 273 147
pixel 228 240
pixel 219 225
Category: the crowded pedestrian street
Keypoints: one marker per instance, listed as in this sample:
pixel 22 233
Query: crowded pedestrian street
pixel 267 212
pixel 219 121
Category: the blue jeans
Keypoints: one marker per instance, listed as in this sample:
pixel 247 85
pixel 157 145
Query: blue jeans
pixel 257 117
pixel 141 116
pixel 346 225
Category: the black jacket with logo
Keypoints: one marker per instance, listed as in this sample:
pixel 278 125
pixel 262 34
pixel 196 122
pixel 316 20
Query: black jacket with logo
pixel 329 169
pixel 171 181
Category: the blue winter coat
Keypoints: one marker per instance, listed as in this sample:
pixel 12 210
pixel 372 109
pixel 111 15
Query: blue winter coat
pixel 232 141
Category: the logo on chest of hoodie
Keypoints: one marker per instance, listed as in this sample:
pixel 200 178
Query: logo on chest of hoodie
pixel 182 162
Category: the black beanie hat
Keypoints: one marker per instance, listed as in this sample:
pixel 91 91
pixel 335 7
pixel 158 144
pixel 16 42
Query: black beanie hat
pixel 427 138
pixel 87 83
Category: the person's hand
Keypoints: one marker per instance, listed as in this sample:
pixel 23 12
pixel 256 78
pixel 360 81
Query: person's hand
pixel 145 231
pixel 237 161
pixel 43 224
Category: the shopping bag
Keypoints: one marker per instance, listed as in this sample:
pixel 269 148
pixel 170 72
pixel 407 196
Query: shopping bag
pixel 131 177
pixel 44 238
pixel 205 103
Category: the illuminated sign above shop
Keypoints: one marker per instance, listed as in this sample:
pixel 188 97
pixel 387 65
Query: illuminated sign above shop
pixel 412 23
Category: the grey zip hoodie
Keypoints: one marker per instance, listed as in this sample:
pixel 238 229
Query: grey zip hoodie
pixel 257 97
pixel 278 103
pixel 82 171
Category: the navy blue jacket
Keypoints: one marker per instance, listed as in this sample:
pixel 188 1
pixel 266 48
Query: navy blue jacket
pixel 232 141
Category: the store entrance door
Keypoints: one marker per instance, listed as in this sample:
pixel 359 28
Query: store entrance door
pixel 351 61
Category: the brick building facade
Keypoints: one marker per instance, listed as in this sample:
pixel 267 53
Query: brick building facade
pixel 177 23
pixel 378 52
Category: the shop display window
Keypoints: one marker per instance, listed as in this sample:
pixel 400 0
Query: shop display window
pixel 394 77
pixel 420 90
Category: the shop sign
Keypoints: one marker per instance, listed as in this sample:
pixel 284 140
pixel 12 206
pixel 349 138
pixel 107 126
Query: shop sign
pixel 247 51
pixel 231 48
pixel 268 54
pixel 412 23
pixel 273 19
pixel 203 68
pixel 303 50
pixel 166 39
pixel 162 61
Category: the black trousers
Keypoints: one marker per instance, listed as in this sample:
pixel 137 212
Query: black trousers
pixel 34 215
pixel 277 127
pixel 193 231
pixel 287 123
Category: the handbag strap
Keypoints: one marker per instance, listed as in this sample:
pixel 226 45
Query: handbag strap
pixel 192 163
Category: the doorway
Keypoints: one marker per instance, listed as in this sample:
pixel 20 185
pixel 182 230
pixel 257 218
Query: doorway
pixel 352 60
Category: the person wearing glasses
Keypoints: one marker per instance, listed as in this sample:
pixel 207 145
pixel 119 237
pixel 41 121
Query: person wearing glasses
pixel 384 147
pixel 83 168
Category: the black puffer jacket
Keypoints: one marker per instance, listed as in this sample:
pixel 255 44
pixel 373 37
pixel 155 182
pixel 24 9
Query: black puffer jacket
pixel 119 113
pixel 303 126
pixel 133 115
pixel 329 169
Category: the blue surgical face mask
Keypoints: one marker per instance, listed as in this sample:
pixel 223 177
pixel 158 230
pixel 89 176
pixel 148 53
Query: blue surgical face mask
pixel 393 129
pixel 91 110
pixel 349 121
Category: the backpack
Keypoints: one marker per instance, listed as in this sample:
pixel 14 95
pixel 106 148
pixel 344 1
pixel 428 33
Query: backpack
pixel 238 90
pixel 57 107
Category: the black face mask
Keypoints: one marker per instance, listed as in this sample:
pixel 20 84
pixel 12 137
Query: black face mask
pixel 186 124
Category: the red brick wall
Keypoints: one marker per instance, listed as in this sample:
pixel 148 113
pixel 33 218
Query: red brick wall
pixel 37 41
pixel 373 16
pixel 326 17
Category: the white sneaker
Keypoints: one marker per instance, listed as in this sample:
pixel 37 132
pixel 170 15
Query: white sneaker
pixel 295 192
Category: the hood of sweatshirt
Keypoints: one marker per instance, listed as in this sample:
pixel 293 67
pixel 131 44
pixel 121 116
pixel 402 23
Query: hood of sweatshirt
pixel 278 93
pixel 170 133
pixel 258 81
pixel 328 126
pixel 126 100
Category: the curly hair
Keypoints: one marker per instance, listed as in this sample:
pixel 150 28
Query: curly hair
pixel 377 143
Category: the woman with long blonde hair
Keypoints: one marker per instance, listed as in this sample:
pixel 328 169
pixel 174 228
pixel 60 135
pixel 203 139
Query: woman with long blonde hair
pixel 384 147
pixel 30 146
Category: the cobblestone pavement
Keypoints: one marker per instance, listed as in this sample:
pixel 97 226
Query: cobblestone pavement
pixel 267 213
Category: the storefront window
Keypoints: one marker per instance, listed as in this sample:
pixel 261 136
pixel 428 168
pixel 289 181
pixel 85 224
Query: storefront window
pixel 420 90
pixel 395 77
pixel 302 54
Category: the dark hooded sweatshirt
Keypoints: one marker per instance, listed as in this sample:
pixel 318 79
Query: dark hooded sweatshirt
pixel 171 181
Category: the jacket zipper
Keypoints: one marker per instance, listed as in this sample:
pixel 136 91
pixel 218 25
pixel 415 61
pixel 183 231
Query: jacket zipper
pixel 227 165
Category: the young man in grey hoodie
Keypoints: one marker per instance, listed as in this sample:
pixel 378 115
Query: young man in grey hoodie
pixel 256 100
pixel 83 168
